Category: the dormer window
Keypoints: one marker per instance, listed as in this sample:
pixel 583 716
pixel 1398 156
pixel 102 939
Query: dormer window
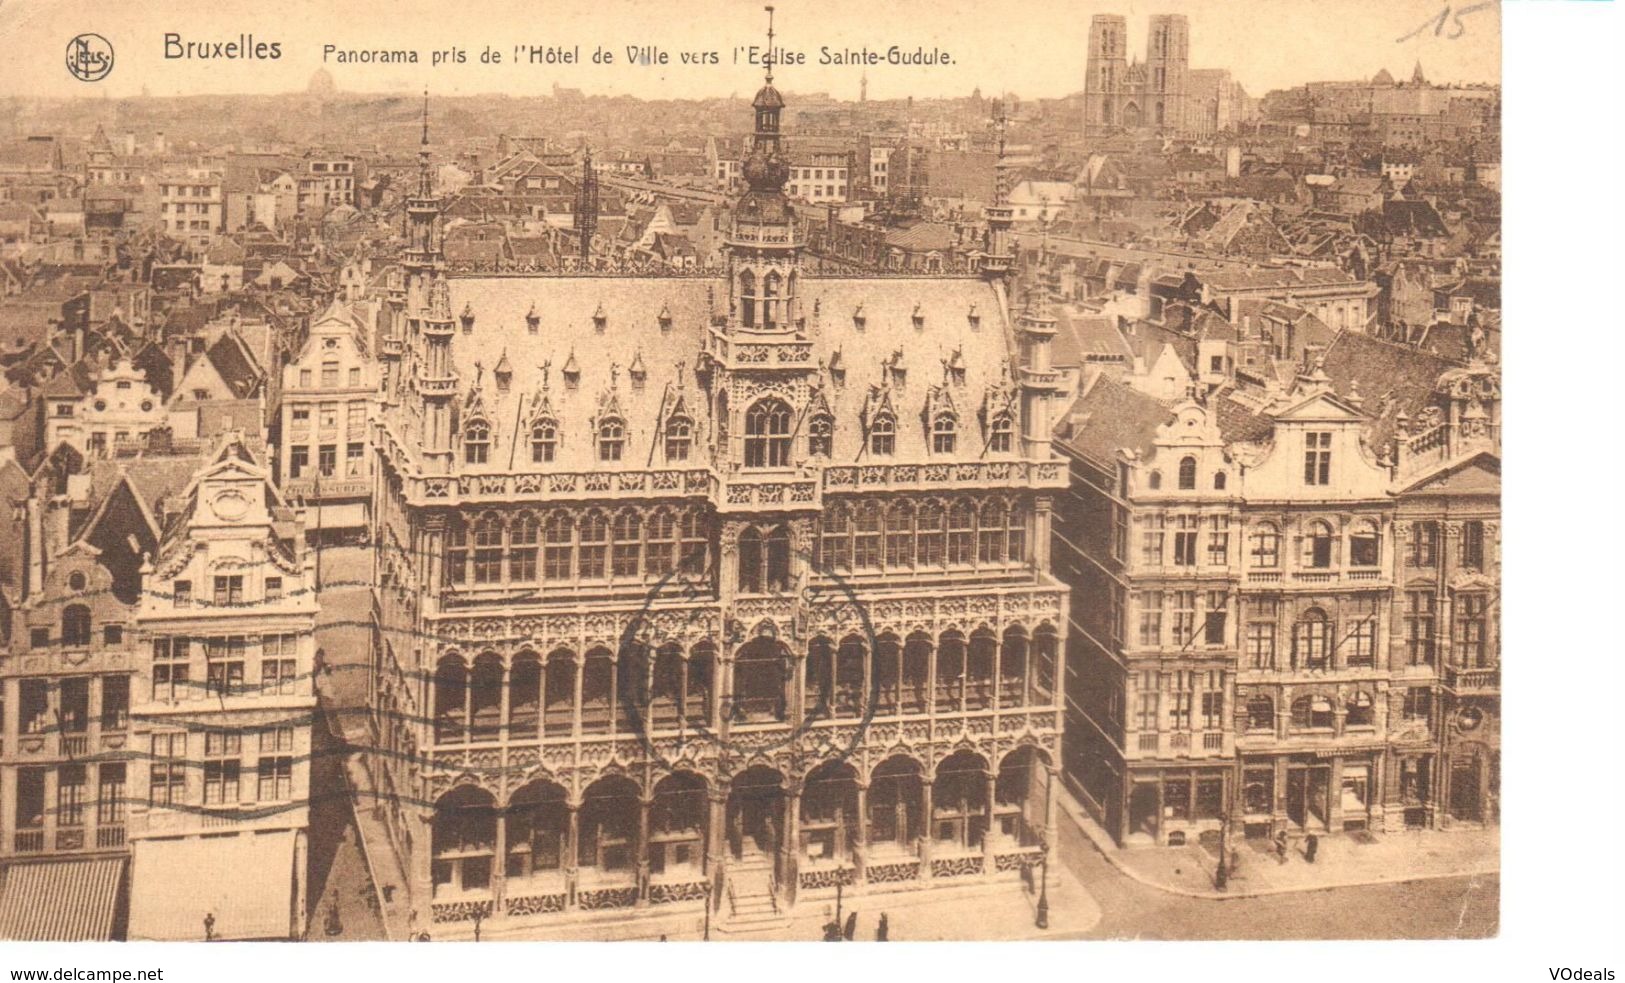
pixel 467 317
pixel 600 320
pixel 679 438
pixel 883 436
pixel 611 439
pixel 919 318
pixel 858 318
pixel 974 317
pixel 477 442
pixel 821 436
pixel 544 440
pixel 533 321
pixel 637 372
pixel 572 372
pixel 503 373
pixel 664 317
pixel 1187 474
pixel 1002 436
pixel 944 434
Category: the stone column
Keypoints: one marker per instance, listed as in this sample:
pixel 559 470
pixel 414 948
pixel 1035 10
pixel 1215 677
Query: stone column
pixel 499 865
pixel 792 843
pixel 926 827
pixel 860 846
pixel 572 850
pixel 643 852
pixel 988 834
pixel 507 699
pixel 580 660
pixel 716 828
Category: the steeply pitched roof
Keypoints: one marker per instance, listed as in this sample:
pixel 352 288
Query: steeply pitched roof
pixel 1108 417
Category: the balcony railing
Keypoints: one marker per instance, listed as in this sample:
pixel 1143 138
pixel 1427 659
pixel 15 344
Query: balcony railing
pixel 29 840
pixel 109 837
pixel 1473 680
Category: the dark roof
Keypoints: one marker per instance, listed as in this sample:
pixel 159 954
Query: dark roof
pixel 1111 416
pixel 1390 378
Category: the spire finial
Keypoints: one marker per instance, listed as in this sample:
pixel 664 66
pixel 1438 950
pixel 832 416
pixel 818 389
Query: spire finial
pixel 768 61
pixel 425 116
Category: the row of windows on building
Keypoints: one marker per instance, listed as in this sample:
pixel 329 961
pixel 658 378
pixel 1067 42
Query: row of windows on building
pixel 225 663
pixel 929 534
pixel 71 713
pixel 330 376
pixel 1321 545
pixel 561 546
pixel 223 767
pixel 769 436
pixel 327 460
pixel 666 689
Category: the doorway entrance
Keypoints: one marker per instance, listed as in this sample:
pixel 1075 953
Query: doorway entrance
pixel 755 814
pixel 1307 791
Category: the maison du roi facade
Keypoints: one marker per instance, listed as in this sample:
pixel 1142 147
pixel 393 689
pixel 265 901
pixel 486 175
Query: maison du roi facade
pixel 159 613
pixel 730 585
pixel 1297 625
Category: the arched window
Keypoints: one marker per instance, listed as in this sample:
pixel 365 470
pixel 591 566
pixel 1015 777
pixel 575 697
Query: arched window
pixel 660 547
pixel 559 533
pixel 456 550
pixel 1260 712
pixel 930 537
pixel 767 434
pixel 770 299
pixel 961 533
pixel 695 542
pixel 866 540
pixel 944 432
pixel 625 554
pixel 679 435
pixel 1187 474
pixel 1312 713
pixel 522 536
pixel 594 549
pixel 463 842
pixel 1360 710
pixel 1317 545
pixel 1311 640
pixel 1001 437
pixel 821 435
pixel 835 539
pixel 990 540
pixel 488 549
pixel 544 440
pixel 883 436
pixel 1365 544
pixel 777 547
pixel 1015 523
pixel 477 442
pixel 611 439
pixel 750 561
pixel 1218 481
pixel 747 298
pixel 1266 546
pixel 900 535
pixel 450 700
pixel 76 625
pixel 1155 480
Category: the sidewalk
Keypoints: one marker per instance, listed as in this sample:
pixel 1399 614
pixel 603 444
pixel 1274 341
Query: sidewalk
pixel 1343 860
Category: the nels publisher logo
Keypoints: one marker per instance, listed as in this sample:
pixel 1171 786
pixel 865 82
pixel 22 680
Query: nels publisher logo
pixel 90 57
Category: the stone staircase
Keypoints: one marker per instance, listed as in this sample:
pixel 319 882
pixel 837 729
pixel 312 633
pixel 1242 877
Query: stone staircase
pixel 751 906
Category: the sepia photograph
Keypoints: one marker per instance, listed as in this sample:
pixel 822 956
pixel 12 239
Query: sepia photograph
pixel 640 471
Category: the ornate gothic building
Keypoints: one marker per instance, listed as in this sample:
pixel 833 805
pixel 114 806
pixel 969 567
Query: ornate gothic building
pixel 718 589
pixel 1121 94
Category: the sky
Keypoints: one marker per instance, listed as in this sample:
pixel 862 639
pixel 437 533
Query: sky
pixel 1034 48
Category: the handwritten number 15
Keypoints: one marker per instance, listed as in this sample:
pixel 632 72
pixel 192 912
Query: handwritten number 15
pixel 1446 16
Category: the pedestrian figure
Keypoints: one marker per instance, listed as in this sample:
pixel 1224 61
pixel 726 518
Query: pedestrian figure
pixel 882 930
pixel 1280 847
pixel 1311 846
pixel 832 931
pixel 851 927
pixel 1221 877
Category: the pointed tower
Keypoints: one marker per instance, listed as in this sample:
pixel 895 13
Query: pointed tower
pixel 764 245
pixel 429 320
pixel 586 223
pixel 996 260
pixel 1035 331
pixel 1417 78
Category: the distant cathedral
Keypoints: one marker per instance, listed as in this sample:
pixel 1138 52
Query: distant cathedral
pixel 1155 94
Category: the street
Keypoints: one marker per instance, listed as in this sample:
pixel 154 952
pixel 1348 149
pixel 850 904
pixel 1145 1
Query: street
pixel 1451 907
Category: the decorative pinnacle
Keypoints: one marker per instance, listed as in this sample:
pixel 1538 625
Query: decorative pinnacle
pixel 425 116
pixel 768 61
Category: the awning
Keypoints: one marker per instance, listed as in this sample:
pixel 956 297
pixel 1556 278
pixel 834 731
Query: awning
pixel 245 880
pixel 60 900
